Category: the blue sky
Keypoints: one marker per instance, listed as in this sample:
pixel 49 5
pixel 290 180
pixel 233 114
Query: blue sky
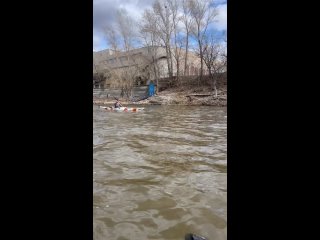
pixel 104 13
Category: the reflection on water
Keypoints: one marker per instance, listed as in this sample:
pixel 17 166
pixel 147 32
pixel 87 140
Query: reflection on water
pixel 160 174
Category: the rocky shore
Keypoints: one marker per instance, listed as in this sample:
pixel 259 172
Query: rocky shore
pixel 176 96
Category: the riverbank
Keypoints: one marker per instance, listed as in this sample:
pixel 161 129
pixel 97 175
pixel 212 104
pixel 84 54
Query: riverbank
pixel 199 96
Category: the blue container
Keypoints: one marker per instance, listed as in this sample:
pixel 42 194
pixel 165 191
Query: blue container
pixel 151 89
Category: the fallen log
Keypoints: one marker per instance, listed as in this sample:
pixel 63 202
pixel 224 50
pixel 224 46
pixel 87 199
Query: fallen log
pixel 199 95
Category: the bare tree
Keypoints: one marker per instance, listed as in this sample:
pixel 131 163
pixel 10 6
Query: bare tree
pixel 125 77
pixel 100 76
pixel 96 76
pixel 214 59
pixel 162 24
pixel 149 34
pixel 112 37
pixel 203 13
pixel 224 53
pixel 164 29
pixel 174 7
pixel 126 66
pixel 125 25
pixel 187 22
pixel 160 28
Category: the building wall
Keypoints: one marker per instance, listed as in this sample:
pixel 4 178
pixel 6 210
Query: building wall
pixel 108 59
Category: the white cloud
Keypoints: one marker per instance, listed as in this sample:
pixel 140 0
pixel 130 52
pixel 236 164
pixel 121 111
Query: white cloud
pixel 97 42
pixel 133 9
pixel 221 23
pixel 104 12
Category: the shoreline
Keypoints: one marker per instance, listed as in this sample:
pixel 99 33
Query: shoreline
pixel 213 103
pixel 175 96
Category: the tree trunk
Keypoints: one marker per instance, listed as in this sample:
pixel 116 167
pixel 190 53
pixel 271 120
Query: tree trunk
pixel 155 74
pixel 201 63
pixel 213 84
pixel 201 56
pixel 186 58
pixel 215 88
pixel 169 62
pixel 178 69
pixel 178 66
pixel 171 65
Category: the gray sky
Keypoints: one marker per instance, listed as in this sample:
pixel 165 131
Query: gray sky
pixel 104 13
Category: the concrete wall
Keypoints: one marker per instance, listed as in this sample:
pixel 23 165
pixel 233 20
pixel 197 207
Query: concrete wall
pixel 137 92
pixel 107 59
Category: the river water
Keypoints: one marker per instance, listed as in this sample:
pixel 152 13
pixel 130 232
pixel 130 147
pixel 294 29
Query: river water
pixel 160 173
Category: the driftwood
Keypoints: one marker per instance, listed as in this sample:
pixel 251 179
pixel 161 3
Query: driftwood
pixel 193 96
pixel 221 97
pixel 154 102
pixel 199 95
pixel 140 99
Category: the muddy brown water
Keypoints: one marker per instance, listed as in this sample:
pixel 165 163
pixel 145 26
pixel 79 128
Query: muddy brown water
pixel 160 173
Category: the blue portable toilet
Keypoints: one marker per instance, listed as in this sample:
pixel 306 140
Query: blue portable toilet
pixel 151 89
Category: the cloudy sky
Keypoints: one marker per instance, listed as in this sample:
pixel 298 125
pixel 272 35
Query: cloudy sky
pixel 104 12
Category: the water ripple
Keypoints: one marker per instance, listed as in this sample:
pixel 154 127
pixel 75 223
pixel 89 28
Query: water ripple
pixel 160 173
